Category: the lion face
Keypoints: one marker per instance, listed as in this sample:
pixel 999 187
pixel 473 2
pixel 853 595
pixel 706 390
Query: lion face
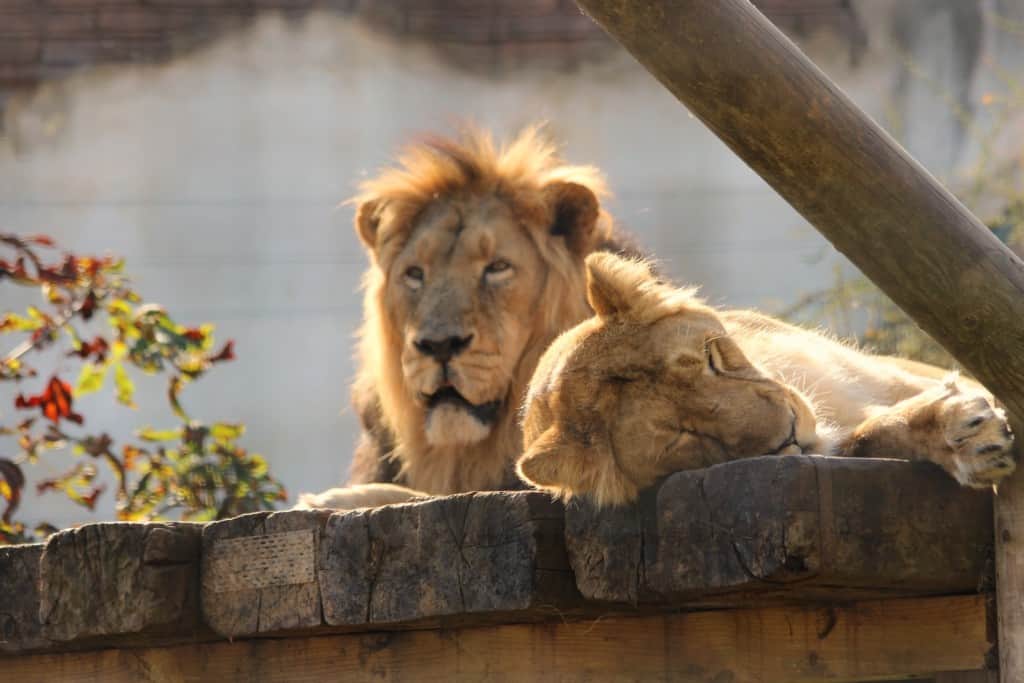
pixel 462 283
pixel 462 290
pixel 651 385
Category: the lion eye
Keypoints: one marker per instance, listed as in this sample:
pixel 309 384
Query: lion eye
pixel 499 266
pixel 413 277
pixel 498 269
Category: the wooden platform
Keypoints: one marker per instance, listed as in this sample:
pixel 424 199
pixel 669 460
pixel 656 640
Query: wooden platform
pixel 771 569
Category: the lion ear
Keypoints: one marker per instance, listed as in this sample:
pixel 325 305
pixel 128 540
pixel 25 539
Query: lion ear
pixel 575 211
pixel 566 468
pixel 616 285
pixel 368 220
pixel 550 463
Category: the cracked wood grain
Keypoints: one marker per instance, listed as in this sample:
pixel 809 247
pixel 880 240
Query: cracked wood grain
pixel 452 557
pixel 20 629
pixel 785 527
pixel 120 580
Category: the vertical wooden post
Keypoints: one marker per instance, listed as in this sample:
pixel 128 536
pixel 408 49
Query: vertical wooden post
pixel 1009 529
pixel 778 112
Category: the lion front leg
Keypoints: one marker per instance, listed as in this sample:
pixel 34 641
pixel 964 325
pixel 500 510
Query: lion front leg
pixel 963 432
pixel 358 496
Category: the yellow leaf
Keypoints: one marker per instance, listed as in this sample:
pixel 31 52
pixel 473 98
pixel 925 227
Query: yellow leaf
pixel 90 379
pixel 125 386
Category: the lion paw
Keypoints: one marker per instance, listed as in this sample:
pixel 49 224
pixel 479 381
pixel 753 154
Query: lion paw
pixel 981 440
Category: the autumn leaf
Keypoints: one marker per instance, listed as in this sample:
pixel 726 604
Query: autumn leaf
pixel 55 402
pixel 90 379
pixel 125 386
pixel 12 480
pixel 150 434
pixel 98 347
pixel 41 240
pixel 225 432
pixel 174 388
pixel 225 354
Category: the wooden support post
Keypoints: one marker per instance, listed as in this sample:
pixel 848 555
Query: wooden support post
pixel 778 112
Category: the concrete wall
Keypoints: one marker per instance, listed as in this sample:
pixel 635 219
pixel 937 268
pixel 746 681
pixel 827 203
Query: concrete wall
pixel 218 176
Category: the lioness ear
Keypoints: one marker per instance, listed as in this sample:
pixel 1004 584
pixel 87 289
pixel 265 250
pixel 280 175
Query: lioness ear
pixel 615 284
pixel 368 220
pixel 726 355
pixel 568 468
pixel 575 211
pixel 549 463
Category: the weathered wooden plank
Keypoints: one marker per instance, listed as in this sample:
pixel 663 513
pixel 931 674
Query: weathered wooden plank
pixel 1009 562
pixel 967 677
pixel 20 629
pixel 259 572
pixel 116 579
pixel 792 527
pixel 873 640
pixel 460 555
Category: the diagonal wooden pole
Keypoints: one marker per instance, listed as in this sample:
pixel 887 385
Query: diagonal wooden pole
pixel 777 111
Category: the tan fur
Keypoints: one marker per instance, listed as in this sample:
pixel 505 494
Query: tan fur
pixel 358 496
pixel 659 382
pixel 439 228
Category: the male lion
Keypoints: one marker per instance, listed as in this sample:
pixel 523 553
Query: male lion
pixel 476 265
pixel 658 382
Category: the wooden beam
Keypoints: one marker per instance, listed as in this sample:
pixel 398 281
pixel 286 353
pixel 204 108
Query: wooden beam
pixel 824 529
pixel 20 628
pixel 779 113
pixel 108 580
pixel 872 640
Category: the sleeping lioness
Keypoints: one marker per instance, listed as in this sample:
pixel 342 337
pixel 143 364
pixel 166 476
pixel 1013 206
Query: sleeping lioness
pixel 658 382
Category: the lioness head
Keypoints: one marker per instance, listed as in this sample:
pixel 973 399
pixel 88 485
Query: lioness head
pixel 651 385
pixel 477 260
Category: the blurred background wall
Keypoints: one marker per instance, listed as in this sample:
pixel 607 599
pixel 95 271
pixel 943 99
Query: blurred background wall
pixel 211 141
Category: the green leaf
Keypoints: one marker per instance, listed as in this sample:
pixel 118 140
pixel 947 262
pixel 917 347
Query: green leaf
pixel 125 386
pixel 223 431
pixel 150 434
pixel 90 379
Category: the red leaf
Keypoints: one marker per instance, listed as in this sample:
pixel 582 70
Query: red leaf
pixel 98 347
pixel 226 353
pixel 88 306
pixel 90 500
pixel 55 402
pixel 41 240
pixel 194 334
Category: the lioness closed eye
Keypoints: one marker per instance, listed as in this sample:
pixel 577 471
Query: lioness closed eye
pixel 658 382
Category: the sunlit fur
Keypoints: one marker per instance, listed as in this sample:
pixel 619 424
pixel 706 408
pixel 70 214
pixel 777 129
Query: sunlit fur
pixel 657 382
pixel 447 207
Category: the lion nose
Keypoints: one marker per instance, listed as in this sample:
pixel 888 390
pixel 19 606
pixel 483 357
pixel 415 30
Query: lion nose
pixel 443 350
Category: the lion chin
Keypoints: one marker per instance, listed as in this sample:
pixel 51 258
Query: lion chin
pixel 451 420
